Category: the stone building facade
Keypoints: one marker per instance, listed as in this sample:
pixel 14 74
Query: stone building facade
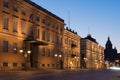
pixel 30 36
pixel 92 54
pixel 71 49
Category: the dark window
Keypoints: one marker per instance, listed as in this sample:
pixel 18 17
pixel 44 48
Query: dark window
pixel 14 64
pixel 37 18
pixel 15 48
pixel 5 64
pixel 30 31
pixel 53 65
pixel 5 22
pixel 43 65
pixel 48 52
pixel 15 24
pixel 15 8
pixel 23 12
pixel 31 16
pixel 43 35
pixel 48 65
pixel 5 46
pixel 37 33
pixel 43 51
pixel 6 4
pixel 23 26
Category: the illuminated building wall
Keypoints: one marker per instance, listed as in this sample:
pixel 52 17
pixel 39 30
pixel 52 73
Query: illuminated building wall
pixel 71 49
pixel 92 54
pixel 24 20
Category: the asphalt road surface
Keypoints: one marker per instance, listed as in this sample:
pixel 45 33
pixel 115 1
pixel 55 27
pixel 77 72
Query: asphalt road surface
pixel 62 75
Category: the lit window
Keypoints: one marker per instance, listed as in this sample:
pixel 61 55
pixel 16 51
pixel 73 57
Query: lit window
pixel 5 46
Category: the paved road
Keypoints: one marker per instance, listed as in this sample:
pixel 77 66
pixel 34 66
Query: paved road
pixel 62 75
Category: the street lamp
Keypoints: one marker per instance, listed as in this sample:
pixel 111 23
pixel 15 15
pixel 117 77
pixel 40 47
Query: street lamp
pixel 59 59
pixel 26 55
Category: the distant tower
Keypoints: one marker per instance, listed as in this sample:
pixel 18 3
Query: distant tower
pixel 108 44
pixel 109 52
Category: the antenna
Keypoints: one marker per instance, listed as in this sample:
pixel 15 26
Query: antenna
pixel 89 30
pixel 69 19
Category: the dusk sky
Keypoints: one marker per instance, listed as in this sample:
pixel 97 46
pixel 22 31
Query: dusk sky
pixel 100 18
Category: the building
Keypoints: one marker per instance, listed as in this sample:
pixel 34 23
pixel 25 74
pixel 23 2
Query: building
pixel 109 52
pixel 92 54
pixel 30 36
pixel 71 49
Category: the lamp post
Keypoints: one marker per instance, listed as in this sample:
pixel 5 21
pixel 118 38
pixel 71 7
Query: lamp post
pixel 26 55
pixel 59 60
pixel 85 61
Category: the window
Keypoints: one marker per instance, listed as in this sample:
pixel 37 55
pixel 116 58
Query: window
pixel 23 12
pixel 23 26
pixel 53 37
pixel 48 65
pixel 43 35
pixel 60 41
pixel 37 33
pixel 14 64
pixel 37 18
pixel 15 8
pixel 43 51
pixel 57 27
pixel 43 65
pixel 6 3
pixel 48 36
pixel 43 21
pixel 30 31
pixel 31 16
pixel 5 64
pixel 14 47
pixel 48 52
pixel 61 29
pixel 57 39
pixel 15 24
pixel 5 21
pixel 5 46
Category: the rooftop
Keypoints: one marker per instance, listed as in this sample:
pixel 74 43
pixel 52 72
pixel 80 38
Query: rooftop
pixel 91 39
pixel 43 9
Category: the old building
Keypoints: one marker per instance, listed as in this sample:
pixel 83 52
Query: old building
pixel 71 49
pixel 30 36
pixel 92 54
pixel 109 52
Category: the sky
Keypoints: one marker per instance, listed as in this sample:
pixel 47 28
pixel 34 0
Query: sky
pixel 100 18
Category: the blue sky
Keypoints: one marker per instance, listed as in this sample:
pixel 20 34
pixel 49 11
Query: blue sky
pixel 101 16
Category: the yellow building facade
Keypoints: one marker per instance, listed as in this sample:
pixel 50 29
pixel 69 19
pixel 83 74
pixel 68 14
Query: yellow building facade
pixel 71 49
pixel 92 54
pixel 30 36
